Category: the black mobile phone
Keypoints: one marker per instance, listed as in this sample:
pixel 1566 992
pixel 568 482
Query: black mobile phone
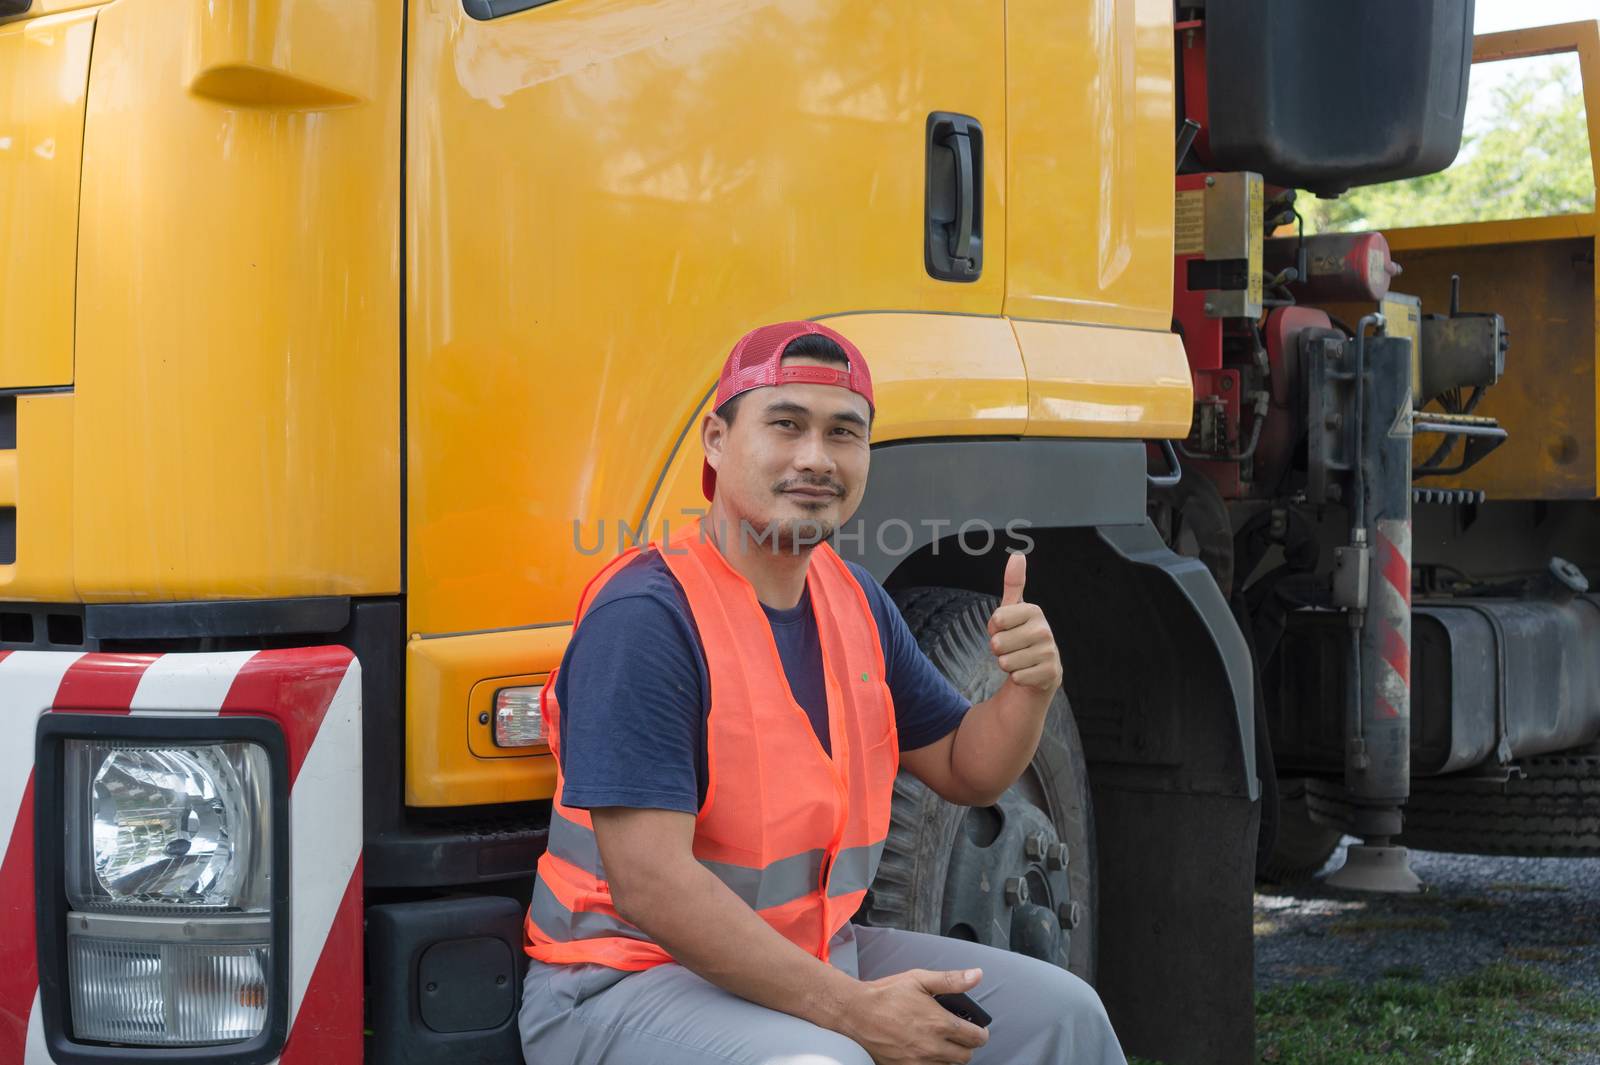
pixel 961 1004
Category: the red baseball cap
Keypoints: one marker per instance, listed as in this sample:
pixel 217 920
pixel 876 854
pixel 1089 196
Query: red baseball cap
pixel 756 361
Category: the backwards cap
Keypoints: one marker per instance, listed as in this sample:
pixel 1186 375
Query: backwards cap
pixel 756 361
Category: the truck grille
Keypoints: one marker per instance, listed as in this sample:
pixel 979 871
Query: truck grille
pixel 41 627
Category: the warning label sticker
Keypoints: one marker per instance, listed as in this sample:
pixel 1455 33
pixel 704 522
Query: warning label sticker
pixel 1189 223
pixel 1253 219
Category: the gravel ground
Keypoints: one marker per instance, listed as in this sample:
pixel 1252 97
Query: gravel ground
pixel 1543 912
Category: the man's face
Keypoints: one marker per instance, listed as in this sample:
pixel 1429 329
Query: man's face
pixel 794 463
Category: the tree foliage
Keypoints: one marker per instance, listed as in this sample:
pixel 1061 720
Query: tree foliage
pixel 1527 157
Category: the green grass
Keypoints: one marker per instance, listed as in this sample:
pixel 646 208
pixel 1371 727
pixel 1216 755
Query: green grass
pixel 1403 972
pixel 1488 1018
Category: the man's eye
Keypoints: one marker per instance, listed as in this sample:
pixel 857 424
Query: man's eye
pixel 845 430
pixel 784 423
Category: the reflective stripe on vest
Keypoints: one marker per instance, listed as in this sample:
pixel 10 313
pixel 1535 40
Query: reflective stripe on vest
pixel 771 839
pixel 563 925
pixel 575 845
pixel 782 881
pixel 854 869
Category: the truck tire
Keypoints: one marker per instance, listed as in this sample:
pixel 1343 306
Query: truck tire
pixel 1019 875
pixel 1302 846
pixel 1552 810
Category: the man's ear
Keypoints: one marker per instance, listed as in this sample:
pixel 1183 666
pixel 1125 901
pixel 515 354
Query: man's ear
pixel 713 434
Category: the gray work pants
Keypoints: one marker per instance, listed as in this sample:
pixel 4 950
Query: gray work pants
pixel 591 1015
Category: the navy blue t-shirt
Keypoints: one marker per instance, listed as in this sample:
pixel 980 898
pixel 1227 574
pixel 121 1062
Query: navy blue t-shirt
pixel 635 694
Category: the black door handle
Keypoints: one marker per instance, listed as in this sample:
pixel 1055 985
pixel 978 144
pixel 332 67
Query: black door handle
pixel 953 241
pixel 961 231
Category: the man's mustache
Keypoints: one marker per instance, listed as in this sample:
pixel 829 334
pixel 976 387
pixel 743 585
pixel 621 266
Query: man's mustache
pixel 826 485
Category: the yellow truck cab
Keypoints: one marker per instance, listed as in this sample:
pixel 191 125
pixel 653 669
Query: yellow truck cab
pixel 342 341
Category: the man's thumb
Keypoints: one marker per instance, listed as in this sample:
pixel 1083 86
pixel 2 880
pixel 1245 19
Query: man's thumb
pixel 944 983
pixel 1016 576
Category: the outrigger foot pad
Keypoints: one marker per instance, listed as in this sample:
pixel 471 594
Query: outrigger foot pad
pixel 1380 869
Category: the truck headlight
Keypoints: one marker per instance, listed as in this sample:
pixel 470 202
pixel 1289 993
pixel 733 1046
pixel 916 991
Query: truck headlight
pixel 165 828
pixel 171 865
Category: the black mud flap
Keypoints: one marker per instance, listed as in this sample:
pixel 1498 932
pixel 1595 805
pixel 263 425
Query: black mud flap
pixel 1168 727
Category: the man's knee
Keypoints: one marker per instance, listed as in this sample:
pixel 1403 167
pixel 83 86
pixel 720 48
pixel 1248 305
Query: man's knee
pixel 1083 995
pixel 1069 1000
pixel 1081 1008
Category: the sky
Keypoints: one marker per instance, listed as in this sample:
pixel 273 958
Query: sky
pixel 1491 16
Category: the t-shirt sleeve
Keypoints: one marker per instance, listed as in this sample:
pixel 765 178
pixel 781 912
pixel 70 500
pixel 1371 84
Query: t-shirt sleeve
pixel 927 707
pixel 632 709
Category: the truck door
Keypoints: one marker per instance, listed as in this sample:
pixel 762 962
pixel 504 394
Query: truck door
pixel 1090 162
pixel 44 75
pixel 602 196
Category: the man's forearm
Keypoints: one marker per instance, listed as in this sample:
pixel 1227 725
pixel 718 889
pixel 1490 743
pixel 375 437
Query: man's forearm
pixel 996 740
pixel 711 932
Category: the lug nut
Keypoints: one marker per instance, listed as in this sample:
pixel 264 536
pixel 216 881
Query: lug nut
pixel 1070 913
pixel 1016 891
pixel 1036 846
pixel 1056 856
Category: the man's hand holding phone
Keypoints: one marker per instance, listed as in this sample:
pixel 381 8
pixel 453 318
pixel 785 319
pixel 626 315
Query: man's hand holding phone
pixel 899 1021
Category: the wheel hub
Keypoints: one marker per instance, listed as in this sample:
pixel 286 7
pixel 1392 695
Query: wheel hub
pixel 1007 884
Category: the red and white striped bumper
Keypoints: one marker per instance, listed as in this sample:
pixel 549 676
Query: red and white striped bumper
pixel 314 695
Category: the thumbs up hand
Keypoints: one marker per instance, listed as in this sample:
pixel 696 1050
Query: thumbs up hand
pixel 1020 637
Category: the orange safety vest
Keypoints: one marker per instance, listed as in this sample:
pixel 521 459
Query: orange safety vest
pixel 794 833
